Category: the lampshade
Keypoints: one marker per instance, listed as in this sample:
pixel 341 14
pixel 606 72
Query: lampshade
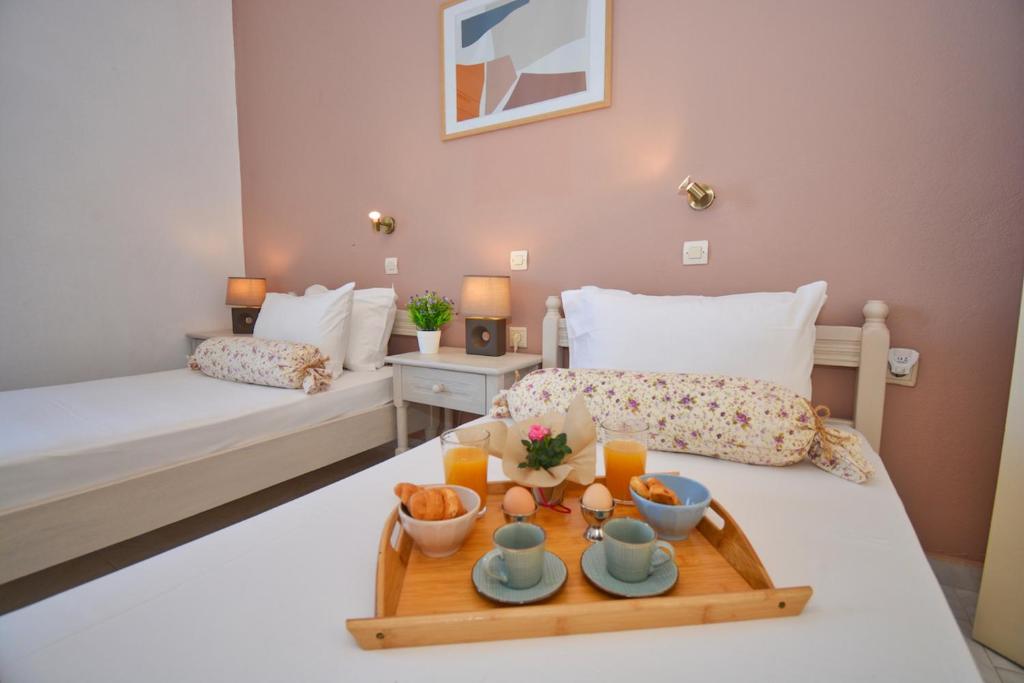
pixel 486 296
pixel 246 291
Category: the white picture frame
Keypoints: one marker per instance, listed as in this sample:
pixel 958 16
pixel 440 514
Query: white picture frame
pixel 522 61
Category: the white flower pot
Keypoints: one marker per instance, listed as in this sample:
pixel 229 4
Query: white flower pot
pixel 430 342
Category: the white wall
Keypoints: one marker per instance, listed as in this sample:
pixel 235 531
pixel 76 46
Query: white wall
pixel 120 201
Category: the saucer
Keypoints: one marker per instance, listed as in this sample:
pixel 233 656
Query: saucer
pixel 594 568
pixel 550 582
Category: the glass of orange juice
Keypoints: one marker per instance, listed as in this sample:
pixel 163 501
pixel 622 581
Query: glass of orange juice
pixel 465 461
pixel 625 454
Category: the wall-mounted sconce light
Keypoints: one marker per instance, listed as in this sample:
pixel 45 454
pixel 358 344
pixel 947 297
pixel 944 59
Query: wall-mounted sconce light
pixel 700 196
pixel 384 224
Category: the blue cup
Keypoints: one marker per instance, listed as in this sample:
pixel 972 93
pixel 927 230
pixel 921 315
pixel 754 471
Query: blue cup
pixel 517 560
pixel 632 550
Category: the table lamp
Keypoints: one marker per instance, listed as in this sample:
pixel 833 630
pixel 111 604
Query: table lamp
pixel 245 295
pixel 486 304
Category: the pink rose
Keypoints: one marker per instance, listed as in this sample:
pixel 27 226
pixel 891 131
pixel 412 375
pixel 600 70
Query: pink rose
pixel 538 432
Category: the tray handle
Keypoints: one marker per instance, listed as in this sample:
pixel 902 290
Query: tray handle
pixel 392 559
pixel 734 546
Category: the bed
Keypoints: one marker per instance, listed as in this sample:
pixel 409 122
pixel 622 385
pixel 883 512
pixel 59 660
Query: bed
pixel 267 598
pixel 86 465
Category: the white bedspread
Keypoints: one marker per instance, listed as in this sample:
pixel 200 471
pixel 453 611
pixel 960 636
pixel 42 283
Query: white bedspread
pixel 267 599
pixel 57 439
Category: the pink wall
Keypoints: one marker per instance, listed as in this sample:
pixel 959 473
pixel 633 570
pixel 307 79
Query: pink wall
pixel 878 145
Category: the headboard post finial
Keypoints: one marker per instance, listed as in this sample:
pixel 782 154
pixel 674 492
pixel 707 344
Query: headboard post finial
pixel 549 346
pixel 875 311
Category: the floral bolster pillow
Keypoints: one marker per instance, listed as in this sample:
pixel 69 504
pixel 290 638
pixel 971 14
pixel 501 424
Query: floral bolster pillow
pixel 251 360
pixel 744 420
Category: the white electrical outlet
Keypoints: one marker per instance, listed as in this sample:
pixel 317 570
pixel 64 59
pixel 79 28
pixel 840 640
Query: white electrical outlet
pixel 391 265
pixel 695 253
pixel 519 260
pixel 513 341
pixel 902 367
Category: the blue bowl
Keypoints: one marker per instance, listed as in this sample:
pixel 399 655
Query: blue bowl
pixel 674 522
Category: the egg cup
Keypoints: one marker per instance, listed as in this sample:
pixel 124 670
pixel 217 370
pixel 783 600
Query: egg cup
pixel 596 518
pixel 510 518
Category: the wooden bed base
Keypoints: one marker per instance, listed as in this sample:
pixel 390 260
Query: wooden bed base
pixel 865 348
pixel 43 533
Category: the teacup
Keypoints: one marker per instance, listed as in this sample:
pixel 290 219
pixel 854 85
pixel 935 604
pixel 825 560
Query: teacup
pixel 631 550
pixel 517 559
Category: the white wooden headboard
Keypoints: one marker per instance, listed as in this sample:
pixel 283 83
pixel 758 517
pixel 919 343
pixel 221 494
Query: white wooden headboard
pixel 403 326
pixel 865 348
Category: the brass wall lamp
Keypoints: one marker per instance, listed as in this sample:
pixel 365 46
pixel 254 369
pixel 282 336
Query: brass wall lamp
pixel 699 196
pixel 384 224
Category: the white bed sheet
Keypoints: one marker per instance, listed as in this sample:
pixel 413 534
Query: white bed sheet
pixel 58 439
pixel 266 599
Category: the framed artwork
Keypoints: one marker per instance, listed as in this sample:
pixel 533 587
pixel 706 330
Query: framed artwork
pixel 509 62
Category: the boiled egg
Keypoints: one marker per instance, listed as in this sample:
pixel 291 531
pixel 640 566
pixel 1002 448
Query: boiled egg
pixel 518 501
pixel 597 497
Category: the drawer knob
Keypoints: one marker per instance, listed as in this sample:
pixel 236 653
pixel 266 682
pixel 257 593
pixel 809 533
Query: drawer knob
pixel 437 388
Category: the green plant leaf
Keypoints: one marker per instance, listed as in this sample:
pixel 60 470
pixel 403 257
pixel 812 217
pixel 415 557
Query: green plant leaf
pixel 429 312
pixel 545 453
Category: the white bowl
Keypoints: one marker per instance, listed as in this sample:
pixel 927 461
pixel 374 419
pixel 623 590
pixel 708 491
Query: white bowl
pixel 443 537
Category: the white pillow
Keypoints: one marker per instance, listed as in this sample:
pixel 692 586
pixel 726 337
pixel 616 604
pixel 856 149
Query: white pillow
pixel 320 319
pixel 765 335
pixel 373 316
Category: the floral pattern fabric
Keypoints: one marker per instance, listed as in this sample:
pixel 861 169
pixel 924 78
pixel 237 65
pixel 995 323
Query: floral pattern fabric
pixel 285 364
pixel 744 420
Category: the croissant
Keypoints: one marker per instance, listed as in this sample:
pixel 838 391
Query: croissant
pixel 435 504
pixel 404 490
pixel 427 504
pixel 452 504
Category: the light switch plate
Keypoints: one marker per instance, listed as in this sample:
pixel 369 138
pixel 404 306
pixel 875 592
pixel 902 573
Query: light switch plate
pixel 695 253
pixel 391 265
pixel 512 332
pixel 518 260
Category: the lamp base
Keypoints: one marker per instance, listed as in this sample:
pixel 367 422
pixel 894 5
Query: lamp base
pixel 486 336
pixel 243 320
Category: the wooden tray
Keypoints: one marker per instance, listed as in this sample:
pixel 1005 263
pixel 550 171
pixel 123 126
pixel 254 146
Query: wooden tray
pixel 424 601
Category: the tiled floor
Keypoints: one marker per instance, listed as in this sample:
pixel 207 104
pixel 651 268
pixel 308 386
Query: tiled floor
pixel 960 582
pixel 35 587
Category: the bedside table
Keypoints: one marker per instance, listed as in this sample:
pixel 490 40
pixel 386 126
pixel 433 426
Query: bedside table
pixel 452 380
pixel 196 338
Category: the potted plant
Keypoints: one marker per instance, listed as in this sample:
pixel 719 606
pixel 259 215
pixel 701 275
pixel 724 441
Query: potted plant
pixel 544 451
pixel 547 452
pixel 429 313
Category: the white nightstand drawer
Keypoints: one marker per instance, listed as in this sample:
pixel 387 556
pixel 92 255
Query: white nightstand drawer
pixel 445 389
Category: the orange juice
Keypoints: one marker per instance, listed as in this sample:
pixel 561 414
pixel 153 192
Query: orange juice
pixel 467 466
pixel 623 459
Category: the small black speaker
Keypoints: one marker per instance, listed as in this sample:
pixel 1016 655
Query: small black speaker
pixel 243 320
pixel 486 336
